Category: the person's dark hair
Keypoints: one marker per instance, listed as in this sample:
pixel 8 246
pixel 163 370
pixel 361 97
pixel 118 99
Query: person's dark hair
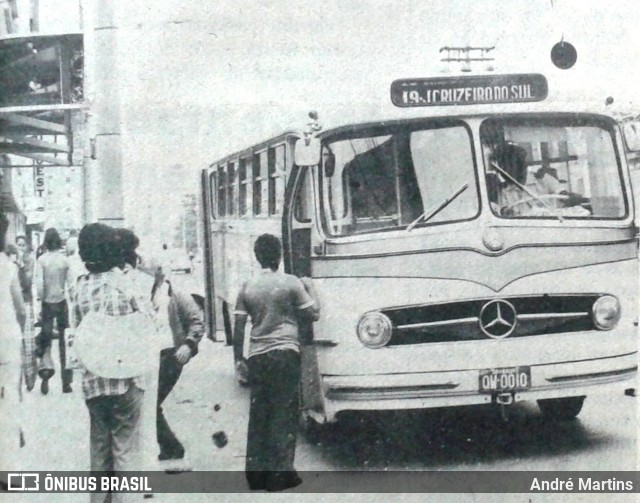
pixel 99 248
pixel 52 241
pixel 268 251
pixel 4 225
pixel 11 249
pixel 513 160
pixel 128 242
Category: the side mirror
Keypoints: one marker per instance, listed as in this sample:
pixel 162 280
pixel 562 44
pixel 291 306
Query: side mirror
pixel 631 134
pixel 307 154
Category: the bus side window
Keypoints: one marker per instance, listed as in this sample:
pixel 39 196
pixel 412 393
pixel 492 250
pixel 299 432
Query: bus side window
pixel 264 182
pixel 231 182
pixel 257 184
pixel 242 189
pixel 276 160
pixel 222 192
pixel 271 181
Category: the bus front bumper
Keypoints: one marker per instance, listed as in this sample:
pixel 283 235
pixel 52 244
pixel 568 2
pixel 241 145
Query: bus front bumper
pixel 462 387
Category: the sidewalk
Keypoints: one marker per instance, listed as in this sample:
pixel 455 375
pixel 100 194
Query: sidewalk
pixel 206 400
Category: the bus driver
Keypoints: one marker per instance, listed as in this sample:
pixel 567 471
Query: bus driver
pixel 512 198
pixel 515 199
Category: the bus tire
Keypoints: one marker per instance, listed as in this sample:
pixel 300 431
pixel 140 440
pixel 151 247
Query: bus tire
pixel 313 430
pixel 226 318
pixel 561 408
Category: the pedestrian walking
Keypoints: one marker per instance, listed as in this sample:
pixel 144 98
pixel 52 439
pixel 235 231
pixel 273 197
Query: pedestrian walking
pixel 141 281
pixel 166 261
pixel 12 320
pixel 52 280
pixel 187 328
pixel 26 264
pixel 76 265
pixel 114 404
pixel 275 303
pixel 179 313
pixel 11 251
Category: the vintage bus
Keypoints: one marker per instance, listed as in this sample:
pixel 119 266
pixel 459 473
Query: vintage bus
pixel 436 293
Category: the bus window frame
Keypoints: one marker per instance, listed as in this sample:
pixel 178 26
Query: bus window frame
pixel 370 130
pixel 221 189
pixel 244 183
pixel 277 178
pixel 256 178
pixel 230 189
pixel 263 154
pixel 569 120
pixel 271 181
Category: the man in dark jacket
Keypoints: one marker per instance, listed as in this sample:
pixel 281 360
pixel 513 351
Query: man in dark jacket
pixel 185 319
pixel 187 327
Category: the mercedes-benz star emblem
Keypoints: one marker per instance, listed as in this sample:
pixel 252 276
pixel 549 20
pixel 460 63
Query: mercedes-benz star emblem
pixel 498 319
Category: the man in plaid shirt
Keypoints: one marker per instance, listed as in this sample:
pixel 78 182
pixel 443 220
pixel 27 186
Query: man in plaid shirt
pixel 114 404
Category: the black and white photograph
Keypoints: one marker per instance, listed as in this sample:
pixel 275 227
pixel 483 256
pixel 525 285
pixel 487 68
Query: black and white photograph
pixel 343 250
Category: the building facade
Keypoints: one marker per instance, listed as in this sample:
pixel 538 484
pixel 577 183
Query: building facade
pixel 42 112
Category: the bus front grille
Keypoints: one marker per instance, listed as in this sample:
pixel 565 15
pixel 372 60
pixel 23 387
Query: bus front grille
pixel 461 321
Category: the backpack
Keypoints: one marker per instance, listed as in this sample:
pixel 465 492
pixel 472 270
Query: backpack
pixel 116 347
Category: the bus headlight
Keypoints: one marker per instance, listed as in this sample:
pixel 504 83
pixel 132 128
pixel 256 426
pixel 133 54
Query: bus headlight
pixel 374 330
pixel 606 312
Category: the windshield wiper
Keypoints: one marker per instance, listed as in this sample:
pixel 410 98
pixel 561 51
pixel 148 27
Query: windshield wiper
pixel 527 191
pixel 428 215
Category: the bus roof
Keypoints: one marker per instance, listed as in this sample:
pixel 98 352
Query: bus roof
pixel 416 115
pixel 452 117
pixel 555 94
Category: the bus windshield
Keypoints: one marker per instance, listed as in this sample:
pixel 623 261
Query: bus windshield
pixel 552 167
pixel 387 179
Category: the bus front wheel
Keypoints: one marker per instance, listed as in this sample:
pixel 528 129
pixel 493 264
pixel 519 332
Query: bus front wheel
pixel 313 430
pixel 561 408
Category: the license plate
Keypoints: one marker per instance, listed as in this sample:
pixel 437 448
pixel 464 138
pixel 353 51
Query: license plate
pixel 506 379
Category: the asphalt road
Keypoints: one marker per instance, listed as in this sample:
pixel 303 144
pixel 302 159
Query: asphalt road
pixel 604 437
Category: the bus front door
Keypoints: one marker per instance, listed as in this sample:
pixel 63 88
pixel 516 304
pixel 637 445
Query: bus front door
pixel 297 232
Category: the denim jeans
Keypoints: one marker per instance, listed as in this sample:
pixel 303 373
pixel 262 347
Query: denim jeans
pixel 58 312
pixel 115 431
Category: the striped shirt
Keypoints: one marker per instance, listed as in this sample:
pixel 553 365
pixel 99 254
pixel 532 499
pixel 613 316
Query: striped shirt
pixel 272 301
pixel 93 292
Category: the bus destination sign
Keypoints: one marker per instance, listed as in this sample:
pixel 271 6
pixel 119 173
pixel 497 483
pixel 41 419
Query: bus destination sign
pixel 469 90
